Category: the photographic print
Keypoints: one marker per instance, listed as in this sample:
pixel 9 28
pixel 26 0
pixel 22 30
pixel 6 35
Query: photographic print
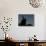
pixel 26 20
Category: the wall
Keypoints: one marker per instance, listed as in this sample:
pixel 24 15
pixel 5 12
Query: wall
pixel 45 28
pixel 11 8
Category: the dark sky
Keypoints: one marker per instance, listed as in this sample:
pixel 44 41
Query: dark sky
pixel 29 18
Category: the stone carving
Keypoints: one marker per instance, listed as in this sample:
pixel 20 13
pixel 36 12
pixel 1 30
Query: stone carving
pixel 7 21
pixel 35 3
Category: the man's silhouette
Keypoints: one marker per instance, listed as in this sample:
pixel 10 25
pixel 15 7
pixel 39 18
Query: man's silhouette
pixel 23 21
